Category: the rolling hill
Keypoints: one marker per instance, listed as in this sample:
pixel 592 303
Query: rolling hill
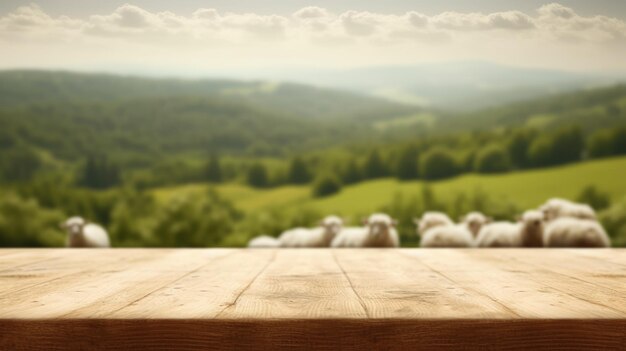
pixel 297 100
pixel 526 189
pixel 456 85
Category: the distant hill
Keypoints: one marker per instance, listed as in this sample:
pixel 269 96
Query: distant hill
pixel 456 86
pixel 589 109
pixel 139 120
pixel 25 87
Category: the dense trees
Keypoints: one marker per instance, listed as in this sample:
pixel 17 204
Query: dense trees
pixel 563 146
pixel 607 142
pixel 518 147
pixel 99 173
pixel 19 164
pixel 492 159
pixel 407 167
pixel 298 172
pixel 374 166
pixel 438 163
pixel 352 172
pixel 257 176
pixel 213 170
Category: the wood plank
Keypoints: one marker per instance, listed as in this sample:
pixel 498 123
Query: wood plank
pixel 99 277
pixel 205 293
pixel 613 256
pixel 515 289
pixel 66 263
pixel 128 287
pixel 566 265
pixel 396 286
pixel 545 274
pixel 18 258
pixel 298 284
pixel 313 334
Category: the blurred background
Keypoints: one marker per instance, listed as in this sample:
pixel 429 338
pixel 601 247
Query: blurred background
pixel 206 123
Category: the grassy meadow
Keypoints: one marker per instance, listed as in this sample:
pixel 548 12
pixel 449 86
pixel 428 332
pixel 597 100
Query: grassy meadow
pixel 527 189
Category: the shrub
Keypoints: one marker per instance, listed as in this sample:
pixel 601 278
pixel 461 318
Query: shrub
pixel 374 166
pixel 492 159
pixel 298 172
pixel 518 147
pixel 194 221
pixel 437 163
pixel 325 186
pixel 595 198
pixel 23 223
pixel 213 171
pixel 352 173
pixel 614 221
pixel 407 167
pixel 257 176
pixel 607 142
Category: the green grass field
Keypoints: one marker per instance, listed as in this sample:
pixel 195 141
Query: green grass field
pixel 526 189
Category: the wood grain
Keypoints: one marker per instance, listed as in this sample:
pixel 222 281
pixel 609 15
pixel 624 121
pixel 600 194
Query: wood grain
pixel 392 299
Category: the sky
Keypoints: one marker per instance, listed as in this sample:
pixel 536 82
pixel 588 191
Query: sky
pixel 200 37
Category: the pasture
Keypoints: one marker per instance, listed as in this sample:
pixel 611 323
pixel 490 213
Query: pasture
pixel 526 189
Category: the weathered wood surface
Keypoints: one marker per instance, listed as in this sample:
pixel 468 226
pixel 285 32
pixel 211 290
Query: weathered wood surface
pixel 317 298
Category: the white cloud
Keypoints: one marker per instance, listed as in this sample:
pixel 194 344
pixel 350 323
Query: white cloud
pixel 314 35
pixel 312 13
pixel 556 11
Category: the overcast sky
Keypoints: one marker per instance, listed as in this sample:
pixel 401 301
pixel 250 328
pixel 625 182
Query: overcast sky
pixel 208 36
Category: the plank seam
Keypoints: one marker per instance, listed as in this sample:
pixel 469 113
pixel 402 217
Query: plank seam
pixel 164 285
pixel 248 285
pixel 547 270
pixel 29 263
pixel 565 292
pixel 345 274
pixel 505 307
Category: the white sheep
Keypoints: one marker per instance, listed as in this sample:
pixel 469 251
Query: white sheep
pixel 557 208
pixel 263 241
pixel 527 232
pixel 575 232
pixel 432 219
pixel 474 221
pixel 320 236
pixel 81 233
pixel 437 230
pixel 378 231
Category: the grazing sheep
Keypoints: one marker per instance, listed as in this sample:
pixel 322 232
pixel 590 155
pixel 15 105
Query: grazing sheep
pixel 557 208
pixel 437 230
pixel 528 232
pixel 432 219
pixel 575 232
pixel 80 233
pixel 320 236
pixel 263 241
pixel 378 231
pixel 474 221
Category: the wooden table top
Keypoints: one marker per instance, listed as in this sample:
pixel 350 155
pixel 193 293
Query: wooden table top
pixel 246 296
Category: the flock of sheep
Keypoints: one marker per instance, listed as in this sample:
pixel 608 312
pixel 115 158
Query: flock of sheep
pixel 557 223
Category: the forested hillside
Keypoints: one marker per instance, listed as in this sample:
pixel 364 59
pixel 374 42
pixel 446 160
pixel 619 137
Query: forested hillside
pixel 307 102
